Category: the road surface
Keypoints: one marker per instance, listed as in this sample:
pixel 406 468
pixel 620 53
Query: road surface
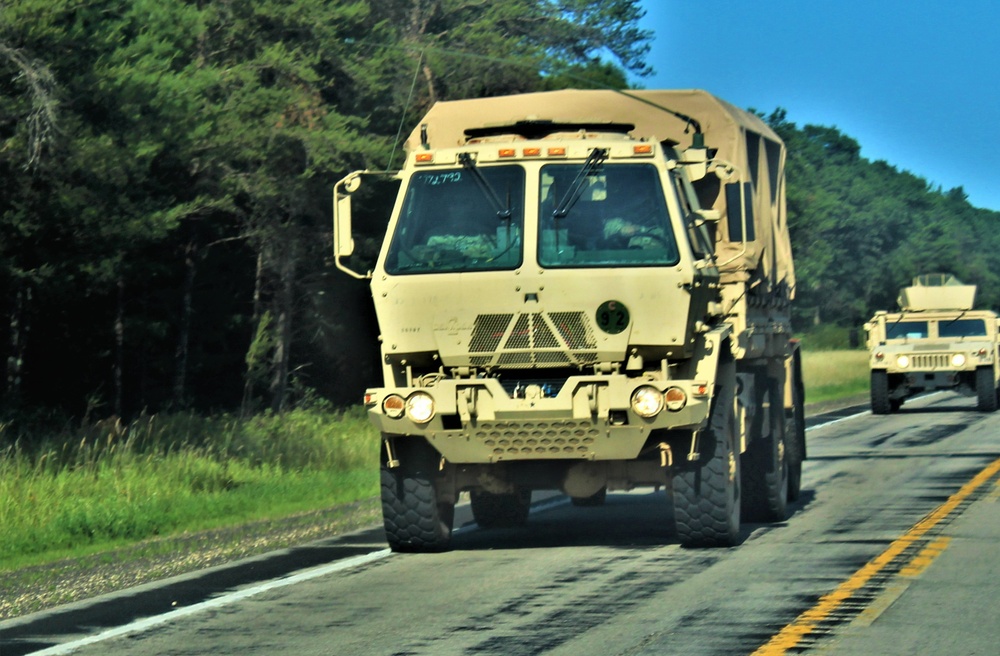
pixel 891 549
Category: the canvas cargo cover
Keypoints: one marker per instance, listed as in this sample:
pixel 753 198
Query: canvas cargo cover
pixel 738 137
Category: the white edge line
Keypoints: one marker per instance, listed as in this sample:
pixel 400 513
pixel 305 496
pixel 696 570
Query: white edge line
pixel 217 602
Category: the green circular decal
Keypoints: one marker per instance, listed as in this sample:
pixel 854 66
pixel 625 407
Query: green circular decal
pixel 612 317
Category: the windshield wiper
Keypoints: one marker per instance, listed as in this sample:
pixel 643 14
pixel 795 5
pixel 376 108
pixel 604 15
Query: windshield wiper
pixel 591 166
pixel 503 210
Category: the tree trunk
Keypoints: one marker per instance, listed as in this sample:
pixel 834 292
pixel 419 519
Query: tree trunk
pixel 119 365
pixel 184 333
pixel 18 337
pixel 284 310
pixel 249 376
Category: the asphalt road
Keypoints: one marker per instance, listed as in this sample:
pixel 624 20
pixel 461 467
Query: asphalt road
pixel 892 549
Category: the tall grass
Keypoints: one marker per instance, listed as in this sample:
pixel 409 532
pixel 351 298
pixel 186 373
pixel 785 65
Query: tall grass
pixel 830 375
pixel 110 483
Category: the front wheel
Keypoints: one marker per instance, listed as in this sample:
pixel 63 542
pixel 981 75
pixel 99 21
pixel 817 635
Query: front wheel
pixel 706 493
pixel 986 389
pixel 416 514
pixel 881 405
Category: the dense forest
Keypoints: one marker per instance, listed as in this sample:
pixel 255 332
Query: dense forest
pixel 168 166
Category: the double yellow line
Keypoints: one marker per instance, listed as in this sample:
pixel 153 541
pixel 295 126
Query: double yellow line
pixel 790 636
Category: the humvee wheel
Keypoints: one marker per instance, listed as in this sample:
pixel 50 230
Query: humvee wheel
pixel 415 515
pixel 706 493
pixel 986 390
pixel 500 510
pixel 765 465
pixel 881 405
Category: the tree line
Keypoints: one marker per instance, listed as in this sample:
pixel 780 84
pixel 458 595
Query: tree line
pixel 167 169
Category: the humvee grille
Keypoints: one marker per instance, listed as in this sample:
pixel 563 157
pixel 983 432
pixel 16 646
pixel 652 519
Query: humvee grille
pixel 931 361
pixel 532 339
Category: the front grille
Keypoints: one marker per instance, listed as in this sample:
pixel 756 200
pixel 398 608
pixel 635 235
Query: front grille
pixel 532 339
pixel 931 361
pixel 569 438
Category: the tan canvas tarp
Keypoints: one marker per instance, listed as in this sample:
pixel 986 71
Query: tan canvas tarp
pixel 740 138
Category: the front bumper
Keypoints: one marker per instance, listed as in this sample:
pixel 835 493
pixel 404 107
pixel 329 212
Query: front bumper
pixel 477 421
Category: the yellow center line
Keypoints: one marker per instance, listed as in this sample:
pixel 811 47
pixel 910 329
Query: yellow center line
pixel 792 634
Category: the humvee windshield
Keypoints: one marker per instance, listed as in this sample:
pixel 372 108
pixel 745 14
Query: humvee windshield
pixel 906 329
pixel 962 328
pixel 619 218
pixel 449 223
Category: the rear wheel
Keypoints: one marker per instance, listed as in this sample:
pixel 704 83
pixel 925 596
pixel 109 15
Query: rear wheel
pixel 500 510
pixel 986 390
pixel 417 515
pixel 706 493
pixel 765 462
pixel 881 405
pixel 795 432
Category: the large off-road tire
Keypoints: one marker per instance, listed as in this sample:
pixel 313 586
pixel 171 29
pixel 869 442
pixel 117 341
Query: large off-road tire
pixel 795 431
pixel 986 389
pixel 417 517
pixel 881 405
pixel 706 493
pixel 764 466
pixel 500 510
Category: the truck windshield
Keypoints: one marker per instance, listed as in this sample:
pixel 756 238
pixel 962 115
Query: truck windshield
pixel 962 328
pixel 449 224
pixel 619 219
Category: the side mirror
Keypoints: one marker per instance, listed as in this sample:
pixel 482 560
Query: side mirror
pixel 343 241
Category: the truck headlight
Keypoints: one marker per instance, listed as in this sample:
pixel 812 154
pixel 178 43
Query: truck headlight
pixel 647 401
pixel 420 407
pixel 958 360
pixel 393 406
pixel 903 361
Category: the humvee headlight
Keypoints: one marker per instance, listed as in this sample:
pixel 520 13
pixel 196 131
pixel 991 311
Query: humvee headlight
pixel 394 406
pixel 903 361
pixel 647 401
pixel 420 407
pixel 958 360
pixel 675 398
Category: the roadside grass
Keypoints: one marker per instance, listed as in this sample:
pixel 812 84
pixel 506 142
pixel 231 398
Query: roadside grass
pixel 83 491
pixel 78 492
pixel 834 374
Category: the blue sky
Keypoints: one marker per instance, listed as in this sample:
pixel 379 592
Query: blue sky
pixel 915 82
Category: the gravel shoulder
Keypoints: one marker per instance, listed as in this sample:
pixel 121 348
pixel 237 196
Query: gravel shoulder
pixel 42 587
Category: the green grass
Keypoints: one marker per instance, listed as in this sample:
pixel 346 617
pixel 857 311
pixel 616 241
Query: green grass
pixel 107 485
pixel 82 491
pixel 836 374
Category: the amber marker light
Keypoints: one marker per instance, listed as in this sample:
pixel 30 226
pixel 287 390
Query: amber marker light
pixel 507 152
pixel 424 158
pixel 532 152
pixel 642 149
pixel 675 399
pixel 558 151
pixel 394 406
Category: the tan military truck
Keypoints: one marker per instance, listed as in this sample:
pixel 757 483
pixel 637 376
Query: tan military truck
pixel 936 341
pixel 585 291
